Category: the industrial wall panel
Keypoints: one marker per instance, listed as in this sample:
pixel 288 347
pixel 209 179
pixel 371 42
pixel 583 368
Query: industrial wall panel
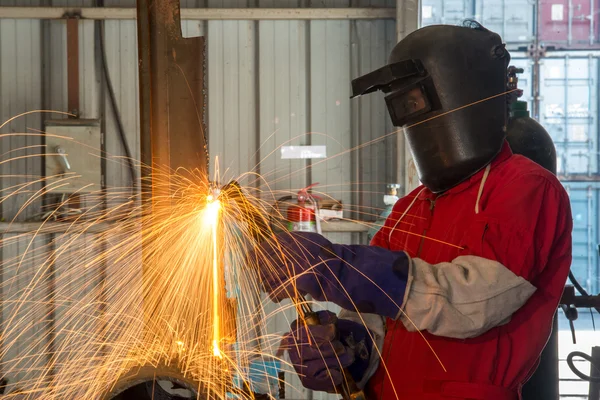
pixel 283 99
pixel 20 92
pixel 511 19
pixel 374 136
pixel 232 93
pixel 586 216
pixel 21 3
pixel 22 257
pixel 120 38
pixel 569 110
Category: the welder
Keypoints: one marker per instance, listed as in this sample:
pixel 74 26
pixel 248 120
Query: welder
pixel 455 296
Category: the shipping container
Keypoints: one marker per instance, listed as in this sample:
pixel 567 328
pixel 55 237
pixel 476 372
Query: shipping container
pixel 568 24
pixel 569 111
pixel 511 19
pixel 584 207
pixel 446 12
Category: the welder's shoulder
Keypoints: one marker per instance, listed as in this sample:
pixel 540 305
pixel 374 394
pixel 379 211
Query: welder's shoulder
pixel 520 172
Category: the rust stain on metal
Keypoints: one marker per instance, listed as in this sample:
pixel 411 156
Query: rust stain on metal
pixel 169 12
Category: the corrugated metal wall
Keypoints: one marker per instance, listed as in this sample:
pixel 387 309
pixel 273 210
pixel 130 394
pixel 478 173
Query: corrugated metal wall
pixel 269 83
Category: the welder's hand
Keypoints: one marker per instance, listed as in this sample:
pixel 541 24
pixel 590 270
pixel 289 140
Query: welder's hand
pixel 283 260
pixel 319 353
pixel 367 279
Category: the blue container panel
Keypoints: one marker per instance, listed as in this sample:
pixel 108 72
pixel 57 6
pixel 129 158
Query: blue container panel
pixel 511 19
pixel 446 12
pixel 584 207
pixel 569 111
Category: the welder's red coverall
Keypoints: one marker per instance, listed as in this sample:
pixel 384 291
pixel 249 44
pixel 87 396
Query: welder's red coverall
pixel 524 222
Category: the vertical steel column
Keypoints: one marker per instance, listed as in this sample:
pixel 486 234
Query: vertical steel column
pixel 592 17
pixel 171 90
pixel 171 73
pixel 172 101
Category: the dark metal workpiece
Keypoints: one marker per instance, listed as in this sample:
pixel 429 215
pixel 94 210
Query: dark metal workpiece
pixel 570 299
pixel 171 90
pixel 594 390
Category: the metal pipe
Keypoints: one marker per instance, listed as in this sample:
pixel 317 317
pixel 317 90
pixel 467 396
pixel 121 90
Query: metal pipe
pixel 592 36
pixel 594 390
pixel 570 23
pixel 590 118
pixel 590 246
pixel 503 19
pixel 101 227
pixel 566 111
pixel 253 14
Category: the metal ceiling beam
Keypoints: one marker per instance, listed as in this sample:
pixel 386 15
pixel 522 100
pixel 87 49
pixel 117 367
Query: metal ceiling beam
pixel 204 14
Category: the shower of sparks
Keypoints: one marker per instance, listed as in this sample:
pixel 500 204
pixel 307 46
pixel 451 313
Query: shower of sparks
pixel 119 286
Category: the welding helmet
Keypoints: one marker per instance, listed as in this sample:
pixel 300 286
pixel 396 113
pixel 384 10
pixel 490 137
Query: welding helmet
pixel 445 85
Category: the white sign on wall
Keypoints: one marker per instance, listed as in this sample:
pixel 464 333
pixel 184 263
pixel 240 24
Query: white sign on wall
pixel 303 152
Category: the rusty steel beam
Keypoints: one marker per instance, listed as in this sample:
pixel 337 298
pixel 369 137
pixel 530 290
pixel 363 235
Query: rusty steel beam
pixel 171 90
pixel 171 73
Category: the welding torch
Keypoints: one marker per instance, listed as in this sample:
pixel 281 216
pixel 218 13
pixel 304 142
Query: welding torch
pixel 260 229
pixel 348 388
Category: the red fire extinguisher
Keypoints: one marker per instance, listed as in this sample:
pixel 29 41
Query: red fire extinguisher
pixel 301 216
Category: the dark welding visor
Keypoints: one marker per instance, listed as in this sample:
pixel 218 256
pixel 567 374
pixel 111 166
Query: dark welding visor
pixel 409 87
pixel 408 103
pixel 386 77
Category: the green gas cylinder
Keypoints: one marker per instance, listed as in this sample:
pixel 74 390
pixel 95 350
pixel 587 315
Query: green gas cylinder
pixel 528 138
pixel 389 199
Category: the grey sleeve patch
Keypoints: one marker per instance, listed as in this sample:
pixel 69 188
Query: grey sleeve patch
pixel 462 299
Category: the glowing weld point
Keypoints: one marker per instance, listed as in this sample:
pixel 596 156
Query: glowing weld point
pixel 216 350
pixel 212 217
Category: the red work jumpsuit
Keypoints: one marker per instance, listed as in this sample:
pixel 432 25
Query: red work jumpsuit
pixel 524 222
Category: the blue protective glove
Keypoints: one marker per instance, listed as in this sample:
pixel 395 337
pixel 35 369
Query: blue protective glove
pixel 367 279
pixel 334 345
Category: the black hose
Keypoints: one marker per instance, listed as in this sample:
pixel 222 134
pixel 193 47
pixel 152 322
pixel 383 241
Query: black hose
pixel 579 373
pixel 580 288
pixel 99 32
